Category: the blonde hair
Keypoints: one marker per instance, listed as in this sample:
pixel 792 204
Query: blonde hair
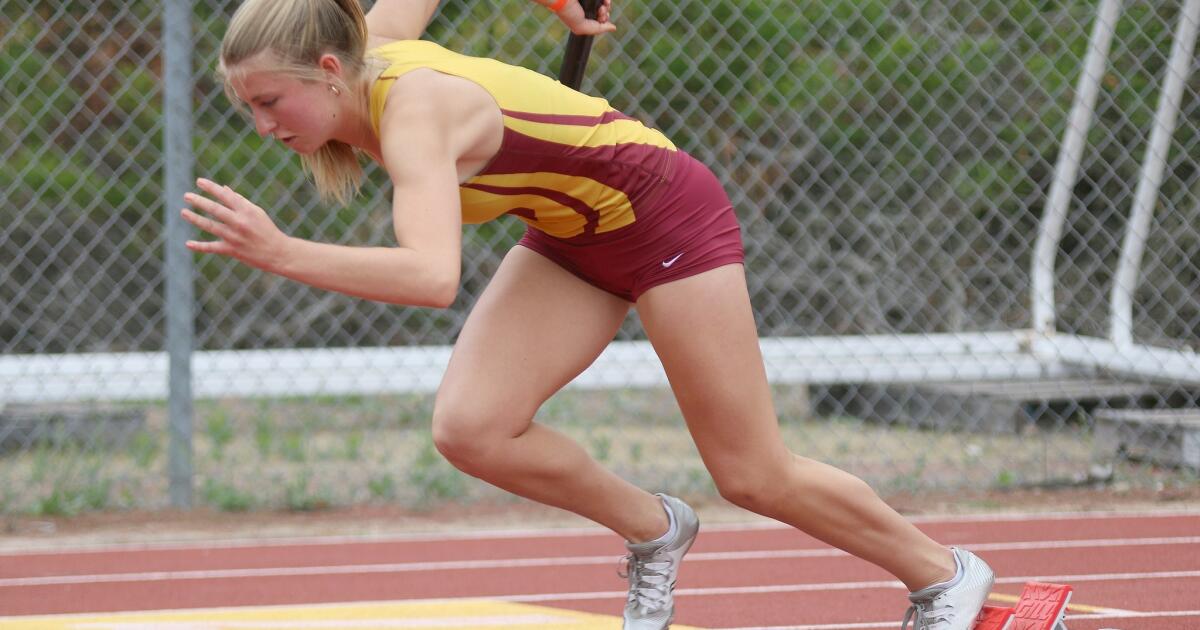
pixel 296 33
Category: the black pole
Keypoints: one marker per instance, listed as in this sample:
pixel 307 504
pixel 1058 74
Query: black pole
pixel 578 47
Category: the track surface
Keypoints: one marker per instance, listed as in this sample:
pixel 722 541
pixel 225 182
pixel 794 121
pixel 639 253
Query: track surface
pixel 1130 571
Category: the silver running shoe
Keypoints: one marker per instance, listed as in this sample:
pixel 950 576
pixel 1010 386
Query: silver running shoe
pixel 954 605
pixel 652 568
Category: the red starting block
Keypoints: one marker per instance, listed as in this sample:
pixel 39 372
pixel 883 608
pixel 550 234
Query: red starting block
pixel 1042 607
pixel 994 618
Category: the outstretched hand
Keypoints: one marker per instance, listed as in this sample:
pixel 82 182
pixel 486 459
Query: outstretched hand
pixel 244 231
pixel 572 15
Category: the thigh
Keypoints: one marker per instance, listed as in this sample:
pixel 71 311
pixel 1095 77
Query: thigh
pixel 535 327
pixel 702 328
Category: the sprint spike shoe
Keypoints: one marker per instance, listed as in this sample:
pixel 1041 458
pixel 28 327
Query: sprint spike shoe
pixel 952 605
pixel 652 568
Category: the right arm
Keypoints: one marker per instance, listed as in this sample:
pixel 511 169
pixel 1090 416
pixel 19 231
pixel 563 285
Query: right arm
pixel 418 134
pixel 420 274
pixel 420 146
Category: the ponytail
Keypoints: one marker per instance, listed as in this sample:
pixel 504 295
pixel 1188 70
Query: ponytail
pixel 359 19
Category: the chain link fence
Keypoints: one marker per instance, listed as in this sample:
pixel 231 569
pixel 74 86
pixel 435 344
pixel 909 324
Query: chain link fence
pixel 890 161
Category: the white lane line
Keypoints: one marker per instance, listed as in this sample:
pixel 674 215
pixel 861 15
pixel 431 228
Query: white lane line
pixel 517 563
pixel 844 586
pixel 761 524
pixel 1099 577
pixel 892 624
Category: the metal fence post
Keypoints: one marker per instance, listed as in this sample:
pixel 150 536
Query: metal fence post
pixel 177 151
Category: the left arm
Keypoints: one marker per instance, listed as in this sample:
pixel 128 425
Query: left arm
pixel 391 20
pixel 571 14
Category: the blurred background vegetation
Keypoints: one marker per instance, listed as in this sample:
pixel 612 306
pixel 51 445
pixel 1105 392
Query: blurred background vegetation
pixel 944 115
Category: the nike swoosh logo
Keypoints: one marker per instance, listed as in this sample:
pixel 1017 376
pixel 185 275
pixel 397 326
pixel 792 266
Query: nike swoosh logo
pixel 671 261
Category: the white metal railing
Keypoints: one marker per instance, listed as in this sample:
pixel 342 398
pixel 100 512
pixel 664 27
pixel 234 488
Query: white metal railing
pixel 1146 197
pixel 1066 170
pixel 975 357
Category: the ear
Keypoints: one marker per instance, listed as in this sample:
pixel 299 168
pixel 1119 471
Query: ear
pixel 331 64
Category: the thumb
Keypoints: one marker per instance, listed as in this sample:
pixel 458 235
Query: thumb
pixel 592 27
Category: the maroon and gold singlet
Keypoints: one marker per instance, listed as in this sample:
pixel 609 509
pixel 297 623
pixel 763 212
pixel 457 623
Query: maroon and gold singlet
pixel 605 196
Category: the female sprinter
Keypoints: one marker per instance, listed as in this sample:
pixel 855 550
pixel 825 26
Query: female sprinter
pixel 617 217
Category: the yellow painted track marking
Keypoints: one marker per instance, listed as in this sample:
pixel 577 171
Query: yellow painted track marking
pixel 441 614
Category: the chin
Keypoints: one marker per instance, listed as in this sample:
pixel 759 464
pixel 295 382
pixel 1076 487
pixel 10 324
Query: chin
pixel 303 149
pixel 308 149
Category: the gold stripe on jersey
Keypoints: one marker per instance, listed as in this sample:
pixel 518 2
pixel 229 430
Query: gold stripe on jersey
pixel 549 217
pixel 612 205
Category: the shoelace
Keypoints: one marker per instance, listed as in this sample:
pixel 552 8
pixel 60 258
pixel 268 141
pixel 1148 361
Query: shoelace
pixel 649 588
pixel 926 617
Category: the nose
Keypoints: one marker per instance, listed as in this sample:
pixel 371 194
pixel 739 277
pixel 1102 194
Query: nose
pixel 263 124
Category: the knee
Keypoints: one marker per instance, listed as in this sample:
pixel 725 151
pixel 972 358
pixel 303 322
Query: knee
pixel 765 485
pixel 750 487
pixel 766 488
pixel 458 437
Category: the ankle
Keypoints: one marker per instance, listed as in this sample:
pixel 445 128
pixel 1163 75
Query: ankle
pixel 659 524
pixel 942 569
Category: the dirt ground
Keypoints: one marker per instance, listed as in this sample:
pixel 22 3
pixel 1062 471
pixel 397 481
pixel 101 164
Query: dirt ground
pixel 126 527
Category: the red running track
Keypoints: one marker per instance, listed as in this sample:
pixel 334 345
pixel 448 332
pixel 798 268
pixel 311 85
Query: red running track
pixel 1133 572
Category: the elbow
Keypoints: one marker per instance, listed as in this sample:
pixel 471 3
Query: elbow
pixel 429 282
pixel 442 291
pixel 443 299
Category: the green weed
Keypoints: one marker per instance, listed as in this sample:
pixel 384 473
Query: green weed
pixel 69 500
pixel 299 496
pixel 1005 479
pixel 219 429
pixel 292 447
pixel 225 497
pixel 601 447
pixel 382 487
pixel 144 449
pixel 264 435
pixel 354 441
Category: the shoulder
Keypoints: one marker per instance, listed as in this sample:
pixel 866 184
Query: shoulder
pixel 429 95
pixel 413 121
pixel 413 93
pixel 434 116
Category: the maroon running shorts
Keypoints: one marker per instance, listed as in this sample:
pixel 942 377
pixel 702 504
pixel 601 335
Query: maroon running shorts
pixel 686 227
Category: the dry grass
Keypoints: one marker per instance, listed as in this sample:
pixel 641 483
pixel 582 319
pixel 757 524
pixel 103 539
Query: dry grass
pixel 310 454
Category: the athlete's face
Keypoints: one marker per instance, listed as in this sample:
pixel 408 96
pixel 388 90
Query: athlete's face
pixel 303 115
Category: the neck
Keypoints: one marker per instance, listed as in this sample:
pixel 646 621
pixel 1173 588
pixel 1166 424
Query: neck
pixel 357 131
